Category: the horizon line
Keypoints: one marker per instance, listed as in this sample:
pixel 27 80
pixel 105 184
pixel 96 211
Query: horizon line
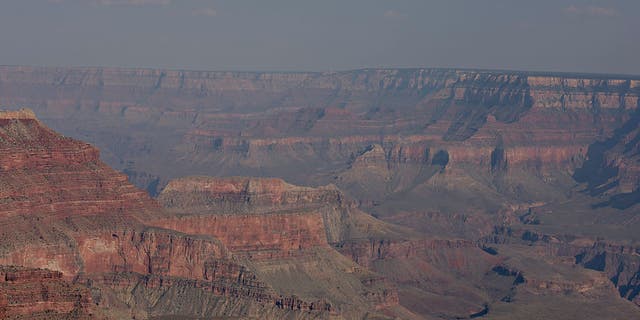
pixel 626 76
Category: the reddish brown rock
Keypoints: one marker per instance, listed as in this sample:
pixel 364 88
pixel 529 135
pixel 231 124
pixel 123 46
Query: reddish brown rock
pixel 277 225
pixel 273 235
pixel 271 123
pixel 62 209
pixel 454 153
pixel 27 293
pixel 240 210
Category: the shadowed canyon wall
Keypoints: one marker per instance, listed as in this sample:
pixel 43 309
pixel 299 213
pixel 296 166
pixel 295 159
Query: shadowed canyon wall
pixel 303 126
pixel 446 159
pixel 62 209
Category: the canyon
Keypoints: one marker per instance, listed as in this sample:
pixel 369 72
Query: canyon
pixel 374 193
pixel 79 241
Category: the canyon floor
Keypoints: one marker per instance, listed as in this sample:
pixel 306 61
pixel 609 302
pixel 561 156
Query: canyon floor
pixel 365 194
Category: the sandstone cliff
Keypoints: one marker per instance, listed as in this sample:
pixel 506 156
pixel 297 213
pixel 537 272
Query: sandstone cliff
pixel 269 220
pixel 62 209
pixel 301 126
pixel 42 294
pixel 451 154
pixel 277 227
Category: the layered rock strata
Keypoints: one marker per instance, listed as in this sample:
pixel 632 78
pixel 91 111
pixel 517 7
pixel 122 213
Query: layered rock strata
pixel 275 225
pixel 293 124
pixel 42 294
pixel 278 225
pixel 62 209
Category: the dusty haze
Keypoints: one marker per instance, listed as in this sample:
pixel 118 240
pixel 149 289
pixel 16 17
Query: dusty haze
pixel 558 35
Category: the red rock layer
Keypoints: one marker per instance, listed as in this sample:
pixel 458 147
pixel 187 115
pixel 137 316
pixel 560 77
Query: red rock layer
pixel 45 174
pixel 41 294
pixel 367 253
pixel 242 195
pixel 261 236
pixel 266 217
pixel 61 208
pixel 285 218
pixel 269 123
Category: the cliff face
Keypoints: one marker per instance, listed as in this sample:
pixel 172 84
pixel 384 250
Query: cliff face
pixel 293 124
pixel 620 263
pixel 42 294
pixel 62 209
pixel 612 166
pixel 278 227
pixel 243 195
pixel 452 154
pixel 271 222
pixel 54 189
pixel 263 203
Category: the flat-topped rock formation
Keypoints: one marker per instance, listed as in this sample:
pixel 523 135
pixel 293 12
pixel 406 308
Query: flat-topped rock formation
pixel 22 114
pixel 248 195
pixel 105 242
pixel 283 226
pixel 446 158
pixel 277 227
pixel 326 215
pixel 63 209
pixel 303 125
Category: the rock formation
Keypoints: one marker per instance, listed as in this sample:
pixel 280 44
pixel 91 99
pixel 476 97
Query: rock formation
pixel 63 210
pixel 466 171
pixel 292 124
pixel 42 294
pixel 277 227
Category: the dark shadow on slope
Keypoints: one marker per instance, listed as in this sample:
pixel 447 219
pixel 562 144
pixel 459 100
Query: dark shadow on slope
pixel 598 174
pixel 508 103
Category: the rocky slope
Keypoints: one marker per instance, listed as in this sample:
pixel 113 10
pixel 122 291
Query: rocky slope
pixel 280 221
pixel 444 157
pixel 62 209
pixel 275 225
pixel 42 294
pixel 611 169
pixel 581 245
pixel 421 147
pixel 284 232
pixel 303 125
pixel 620 263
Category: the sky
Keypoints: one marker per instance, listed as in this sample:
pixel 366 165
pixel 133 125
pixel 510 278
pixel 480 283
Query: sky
pixel 324 35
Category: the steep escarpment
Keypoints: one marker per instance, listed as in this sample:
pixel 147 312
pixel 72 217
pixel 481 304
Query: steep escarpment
pixel 620 263
pixel 54 188
pixel 614 258
pixel 303 126
pixel 284 232
pixel 64 210
pixel 320 215
pixel 450 155
pixel 270 222
pixel 27 293
pixel 611 169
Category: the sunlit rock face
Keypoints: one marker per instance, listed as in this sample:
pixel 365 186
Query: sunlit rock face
pixel 75 242
pixel 476 177
pixel 156 125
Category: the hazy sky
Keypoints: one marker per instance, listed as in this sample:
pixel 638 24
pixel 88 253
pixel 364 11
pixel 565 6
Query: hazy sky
pixel 546 35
